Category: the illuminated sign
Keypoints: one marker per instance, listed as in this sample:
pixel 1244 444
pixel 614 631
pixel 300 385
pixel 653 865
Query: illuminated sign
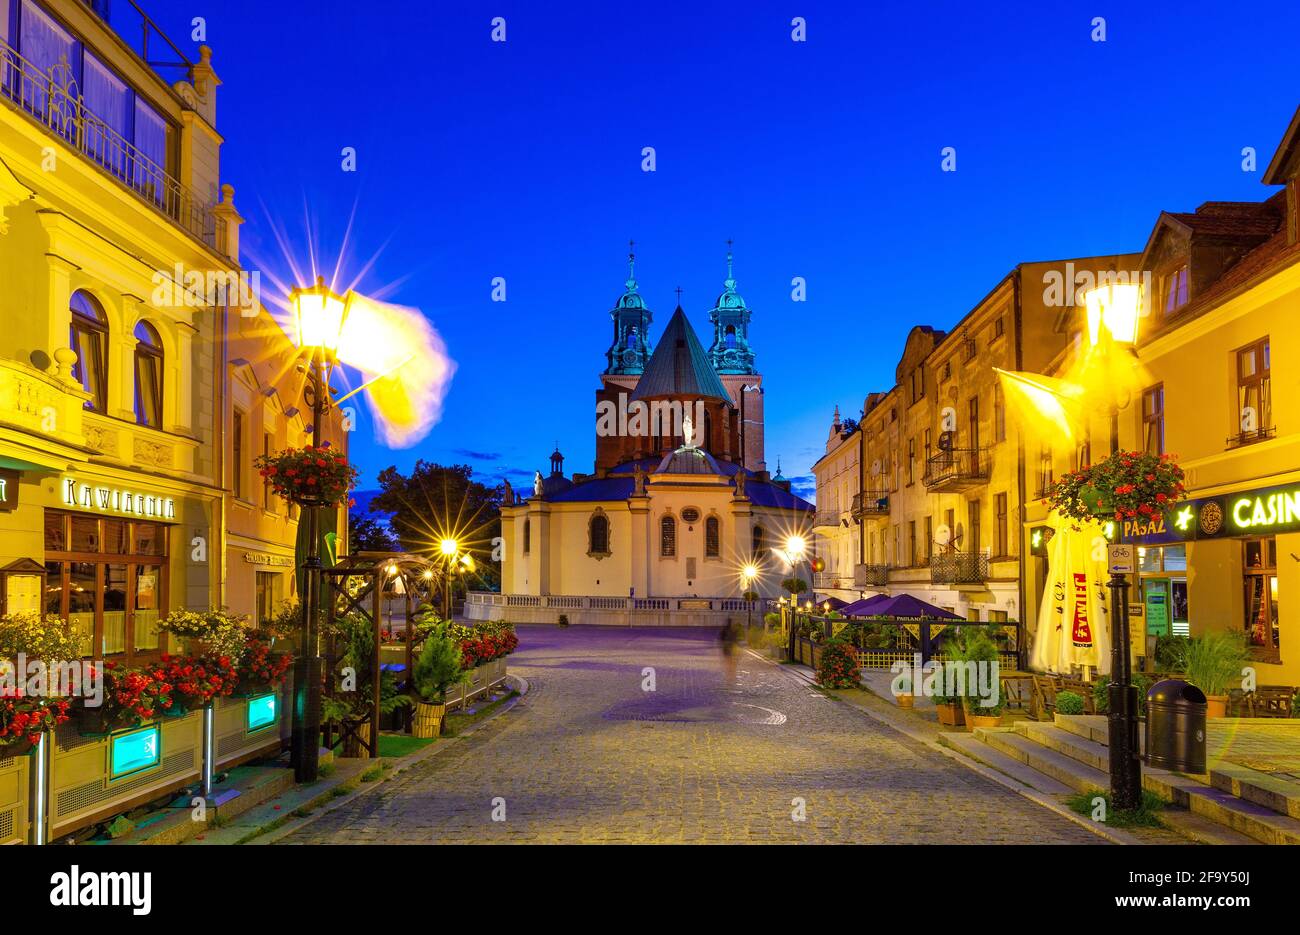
pixel 1266 510
pixel 115 500
pixel 134 751
pixel 262 711
pixel 8 490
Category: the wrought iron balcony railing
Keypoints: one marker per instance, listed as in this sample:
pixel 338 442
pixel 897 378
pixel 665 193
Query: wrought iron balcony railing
pixel 871 503
pixel 959 568
pixel 870 576
pixel 956 469
pixel 52 99
pixel 826 519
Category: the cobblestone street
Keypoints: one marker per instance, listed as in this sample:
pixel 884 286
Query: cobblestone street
pixel 589 756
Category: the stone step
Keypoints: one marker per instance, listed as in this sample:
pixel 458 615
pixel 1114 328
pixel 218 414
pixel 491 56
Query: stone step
pixel 1278 795
pixel 1011 767
pixel 1192 793
pixel 1063 769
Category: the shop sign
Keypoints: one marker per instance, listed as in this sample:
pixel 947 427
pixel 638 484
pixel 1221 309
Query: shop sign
pixel 8 490
pixel 262 711
pixel 1244 513
pixel 1157 612
pixel 115 500
pixel 134 751
pixel 262 558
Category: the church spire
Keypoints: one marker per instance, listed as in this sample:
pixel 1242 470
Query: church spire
pixel 630 349
pixel 730 351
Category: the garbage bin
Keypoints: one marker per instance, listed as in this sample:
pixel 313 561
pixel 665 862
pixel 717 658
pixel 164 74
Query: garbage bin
pixel 1176 726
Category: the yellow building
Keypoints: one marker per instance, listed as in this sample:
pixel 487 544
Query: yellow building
pixel 119 263
pixel 941 493
pixel 835 525
pixel 1224 286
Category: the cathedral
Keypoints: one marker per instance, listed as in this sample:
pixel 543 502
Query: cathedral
pixel 679 501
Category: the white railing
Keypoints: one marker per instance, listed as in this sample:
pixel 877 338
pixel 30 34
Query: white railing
pixel 52 99
pixel 602 602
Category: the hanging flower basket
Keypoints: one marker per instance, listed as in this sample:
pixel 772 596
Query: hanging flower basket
pixel 23 720
pixel 1128 485
pixel 131 697
pixel 310 476
pixel 260 670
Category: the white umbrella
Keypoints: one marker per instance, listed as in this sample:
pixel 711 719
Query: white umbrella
pixel 1074 619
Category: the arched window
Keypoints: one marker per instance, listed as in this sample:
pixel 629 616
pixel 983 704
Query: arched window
pixel 712 537
pixel 758 540
pixel 528 529
pixel 598 535
pixel 668 537
pixel 731 335
pixel 148 376
pixel 88 340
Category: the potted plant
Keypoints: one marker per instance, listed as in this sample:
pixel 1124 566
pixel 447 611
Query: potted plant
pixel 195 682
pixel 973 645
pixel 316 475
pixel 949 708
pixel 438 668
pixel 259 669
pixel 1214 661
pixel 24 719
pixel 838 665
pixel 1068 702
pixel 1128 485
pixel 207 633
pixel 131 697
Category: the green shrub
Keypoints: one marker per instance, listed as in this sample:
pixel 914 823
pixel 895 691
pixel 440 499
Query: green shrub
pixel 1171 653
pixel 838 665
pixel 1069 703
pixel 975 644
pixel 438 668
pixel 1215 660
pixel 1101 693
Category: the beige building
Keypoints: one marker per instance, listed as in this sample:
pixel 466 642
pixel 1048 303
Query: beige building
pixel 1216 345
pixel 835 524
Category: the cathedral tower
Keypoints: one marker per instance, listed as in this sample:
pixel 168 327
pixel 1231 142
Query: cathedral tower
pixel 631 348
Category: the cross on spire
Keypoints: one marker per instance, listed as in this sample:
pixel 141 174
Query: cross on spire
pixel 679 296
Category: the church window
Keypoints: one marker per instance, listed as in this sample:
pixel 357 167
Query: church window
pixel 712 537
pixel 758 540
pixel 528 528
pixel 668 537
pixel 731 335
pixel 598 535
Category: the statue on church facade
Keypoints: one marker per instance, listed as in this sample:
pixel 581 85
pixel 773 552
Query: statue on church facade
pixel 507 494
pixel 638 482
pixel 740 484
pixel 537 484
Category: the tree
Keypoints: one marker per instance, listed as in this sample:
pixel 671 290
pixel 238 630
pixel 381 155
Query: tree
pixel 434 502
pixel 368 534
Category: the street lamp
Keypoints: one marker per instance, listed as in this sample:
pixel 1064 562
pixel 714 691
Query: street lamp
pixel 1113 312
pixel 795 548
pixel 448 548
pixel 747 575
pixel 318 315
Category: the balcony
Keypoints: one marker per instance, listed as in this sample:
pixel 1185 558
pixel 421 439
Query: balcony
pixel 870 576
pixel 827 519
pixel 871 503
pixel 53 100
pixel 957 469
pixel 959 568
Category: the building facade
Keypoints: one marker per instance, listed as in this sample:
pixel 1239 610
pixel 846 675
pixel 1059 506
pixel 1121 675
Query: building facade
pixel 835 524
pixel 679 502
pixel 1215 346
pixel 118 269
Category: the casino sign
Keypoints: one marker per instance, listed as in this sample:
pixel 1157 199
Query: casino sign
pixel 1240 513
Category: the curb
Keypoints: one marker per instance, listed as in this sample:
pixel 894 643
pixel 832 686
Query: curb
pixel 1112 835
pixel 520 685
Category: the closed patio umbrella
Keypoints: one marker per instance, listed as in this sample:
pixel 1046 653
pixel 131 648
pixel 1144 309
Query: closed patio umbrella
pixel 1074 617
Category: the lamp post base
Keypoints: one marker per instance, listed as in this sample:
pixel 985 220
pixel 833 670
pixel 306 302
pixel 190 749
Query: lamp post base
pixel 304 749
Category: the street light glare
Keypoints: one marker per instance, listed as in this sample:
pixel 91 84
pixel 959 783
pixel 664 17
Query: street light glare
pixel 318 315
pixel 448 547
pixel 749 572
pixel 795 546
pixel 1115 306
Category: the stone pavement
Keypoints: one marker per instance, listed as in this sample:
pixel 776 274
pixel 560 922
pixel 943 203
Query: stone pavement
pixel 588 755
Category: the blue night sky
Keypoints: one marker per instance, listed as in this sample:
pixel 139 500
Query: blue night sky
pixel 820 159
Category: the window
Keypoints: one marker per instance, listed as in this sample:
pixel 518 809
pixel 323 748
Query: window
pixel 148 376
pixel 918 385
pixel 973 523
pixel 668 537
pixel 149 173
pixel 999 414
pixel 267 502
pixel 911 461
pixel 712 537
pixel 1254 392
pixel 598 535
pixel 1174 287
pixel 1001 545
pixel 45 44
pixel 950 520
pixel 757 541
pixel 528 529
pixel 89 335
pixel 1045 474
pixel 929 539
pixel 999 326
pixel 1259 574
pixel 973 419
pixel 237 455
pixel 912 550
pixel 1083 452
pixel 946 372
pixel 270 592
pixel 1153 420
pixel 107 97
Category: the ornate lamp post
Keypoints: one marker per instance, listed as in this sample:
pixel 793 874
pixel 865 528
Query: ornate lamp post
pixel 318 316
pixel 449 549
pixel 748 573
pixel 795 548
pixel 1113 312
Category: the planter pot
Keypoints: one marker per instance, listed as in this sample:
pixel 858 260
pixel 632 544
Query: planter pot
pixel 905 700
pixel 951 715
pixel 96 722
pixel 974 719
pixel 1216 705
pixel 428 719
pixel 17 748
pixel 352 742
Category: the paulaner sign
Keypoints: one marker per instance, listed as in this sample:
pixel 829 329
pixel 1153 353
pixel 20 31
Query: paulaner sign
pixel 116 500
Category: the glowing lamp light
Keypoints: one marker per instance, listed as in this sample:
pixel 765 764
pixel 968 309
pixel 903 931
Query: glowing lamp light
pixel 428 574
pixel 468 561
pixel 318 316
pixel 448 547
pixel 749 573
pixel 1115 307
pixel 392 569
pixel 795 546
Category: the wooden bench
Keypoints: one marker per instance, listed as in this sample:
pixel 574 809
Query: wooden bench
pixel 1271 701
